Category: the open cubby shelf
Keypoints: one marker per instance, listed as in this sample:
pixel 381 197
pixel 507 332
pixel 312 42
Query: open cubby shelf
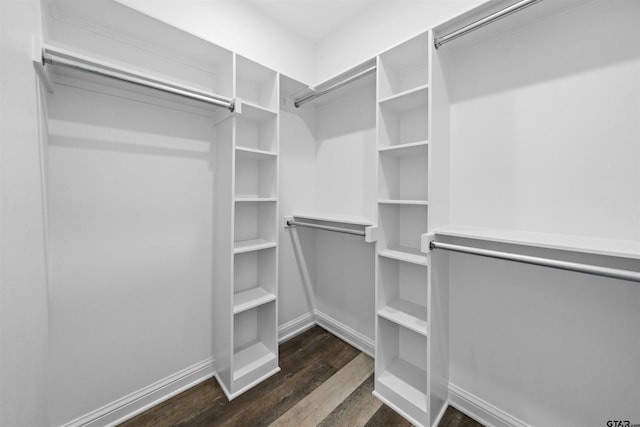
pixel 255 221
pixel 256 83
pixel 402 293
pixel 405 254
pixel 404 67
pixel 403 175
pixel 251 358
pixel 405 379
pixel 404 121
pixel 251 298
pixel 243 246
pixel 401 367
pixel 255 343
pixel 401 225
pixel 254 279
pixel 406 314
pixel 407 100
pixel 408 149
pixel 256 129
pixel 255 175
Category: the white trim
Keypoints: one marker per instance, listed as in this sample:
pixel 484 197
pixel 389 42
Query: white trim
pixel 295 327
pixel 345 333
pixel 139 401
pixel 480 410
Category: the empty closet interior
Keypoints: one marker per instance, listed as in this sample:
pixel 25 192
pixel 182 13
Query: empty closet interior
pixel 202 207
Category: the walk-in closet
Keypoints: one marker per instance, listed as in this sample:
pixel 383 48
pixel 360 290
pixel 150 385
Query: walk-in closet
pixel 320 213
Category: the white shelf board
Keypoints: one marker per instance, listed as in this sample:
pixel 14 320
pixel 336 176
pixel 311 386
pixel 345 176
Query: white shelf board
pixel 342 219
pixel 406 314
pixel 409 149
pixel 407 381
pixel 256 113
pixel 252 153
pixel 251 298
pixel 250 359
pixel 405 254
pixel 407 100
pixel 403 202
pixel 404 93
pixel 252 245
pixel 255 199
pixel 583 244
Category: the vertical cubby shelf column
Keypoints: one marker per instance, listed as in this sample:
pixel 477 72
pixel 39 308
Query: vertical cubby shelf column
pixel 246 226
pixel 402 270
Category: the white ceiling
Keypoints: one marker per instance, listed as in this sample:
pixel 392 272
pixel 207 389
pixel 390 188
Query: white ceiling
pixel 312 19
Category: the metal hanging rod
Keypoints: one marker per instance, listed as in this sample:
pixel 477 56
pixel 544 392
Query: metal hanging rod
pixel 439 41
pixel 544 262
pixel 57 58
pixel 325 227
pixel 306 98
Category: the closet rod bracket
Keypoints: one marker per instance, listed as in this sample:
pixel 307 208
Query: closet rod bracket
pixel 37 57
pixel 427 242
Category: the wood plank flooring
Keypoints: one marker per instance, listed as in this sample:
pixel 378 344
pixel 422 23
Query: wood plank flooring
pixel 323 382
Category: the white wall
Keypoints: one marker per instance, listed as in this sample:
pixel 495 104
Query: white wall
pixel 547 347
pixel 327 167
pixel 131 198
pixel 23 292
pixel 383 25
pixel 551 144
pixel 346 153
pixel 346 185
pixel 296 194
pixel 545 137
pixel 239 27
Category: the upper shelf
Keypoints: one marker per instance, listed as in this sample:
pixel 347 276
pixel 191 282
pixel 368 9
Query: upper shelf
pixel 342 219
pixel 583 244
pixel 110 31
pixel 338 223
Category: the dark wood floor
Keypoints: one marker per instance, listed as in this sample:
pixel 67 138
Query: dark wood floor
pixel 323 381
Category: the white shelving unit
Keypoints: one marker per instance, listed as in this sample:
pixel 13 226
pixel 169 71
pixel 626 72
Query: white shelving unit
pixel 403 283
pixel 246 224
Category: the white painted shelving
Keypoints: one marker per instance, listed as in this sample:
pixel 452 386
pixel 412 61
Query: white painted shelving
pixel 246 255
pixel 403 283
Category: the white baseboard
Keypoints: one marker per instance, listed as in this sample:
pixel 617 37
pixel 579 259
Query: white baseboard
pixel 295 327
pixel 137 402
pixel 481 411
pixel 342 331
